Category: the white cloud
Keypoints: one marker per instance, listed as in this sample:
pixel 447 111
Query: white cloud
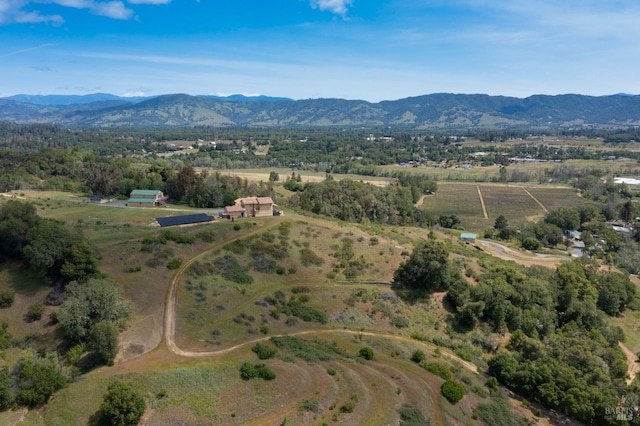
pixel 335 6
pixel 110 9
pixel 149 1
pixel 13 11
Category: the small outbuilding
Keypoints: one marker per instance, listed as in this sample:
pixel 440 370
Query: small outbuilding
pixel 145 198
pixel 468 237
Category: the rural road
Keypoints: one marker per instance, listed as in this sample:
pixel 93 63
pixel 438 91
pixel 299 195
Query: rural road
pixel 524 258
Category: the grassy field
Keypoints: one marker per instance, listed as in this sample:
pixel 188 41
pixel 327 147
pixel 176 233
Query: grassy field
pixel 534 170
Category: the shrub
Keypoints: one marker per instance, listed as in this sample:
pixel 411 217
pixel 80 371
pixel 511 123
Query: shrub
pixel 298 309
pixel 263 351
pixel 418 356
pixel 350 405
pixel 6 298
pixel 438 369
pixel 331 371
pixel 366 353
pixel 309 258
pixel 309 405
pixel 452 390
pixel 35 311
pixel 411 416
pixel 230 269
pixel 175 263
pixel 400 322
pixel 250 371
pixel 237 227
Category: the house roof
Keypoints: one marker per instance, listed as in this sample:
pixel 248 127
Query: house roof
pixel 142 200
pixel 468 236
pixel 254 200
pixel 138 192
pixel 235 208
pixel 265 200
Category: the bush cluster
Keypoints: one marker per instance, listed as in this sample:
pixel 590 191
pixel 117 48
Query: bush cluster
pixel 250 371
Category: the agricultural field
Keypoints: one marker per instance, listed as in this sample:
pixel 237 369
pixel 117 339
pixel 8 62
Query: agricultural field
pixel 516 202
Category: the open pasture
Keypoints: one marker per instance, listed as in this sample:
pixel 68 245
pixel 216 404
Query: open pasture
pixel 257 175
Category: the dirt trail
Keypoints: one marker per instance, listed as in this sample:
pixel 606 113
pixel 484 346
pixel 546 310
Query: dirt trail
pixel 632 362
pixel 535 199
pixel 484 208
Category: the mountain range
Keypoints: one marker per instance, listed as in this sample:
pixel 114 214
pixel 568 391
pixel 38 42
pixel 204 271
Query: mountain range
pixel 440 110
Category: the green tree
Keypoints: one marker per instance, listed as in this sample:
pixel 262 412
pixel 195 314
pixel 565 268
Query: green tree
pixel 564 218
pixel 500 223
pixel 448 221
pixel 16 219
pixel 37 378
pixel 615 291
pixel 104 341
pixel 427 268
pixel 6 393
pixel 90 303
pixel 452 390
pixel 46 244
pixel 503 367
pixel 121 405
pixel 80 262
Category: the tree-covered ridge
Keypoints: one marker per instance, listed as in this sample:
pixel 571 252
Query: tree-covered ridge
pixel 563 351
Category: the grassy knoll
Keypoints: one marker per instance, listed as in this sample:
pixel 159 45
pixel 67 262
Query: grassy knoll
pixel 296 283
pixel 211 392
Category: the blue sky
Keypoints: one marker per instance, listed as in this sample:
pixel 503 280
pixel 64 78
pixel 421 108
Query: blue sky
pixel 354 49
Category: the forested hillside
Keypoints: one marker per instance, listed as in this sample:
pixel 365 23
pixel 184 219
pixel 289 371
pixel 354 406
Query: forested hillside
pixel 442 110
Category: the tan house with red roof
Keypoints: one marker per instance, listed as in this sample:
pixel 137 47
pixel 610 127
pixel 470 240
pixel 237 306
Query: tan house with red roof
pixel 250 207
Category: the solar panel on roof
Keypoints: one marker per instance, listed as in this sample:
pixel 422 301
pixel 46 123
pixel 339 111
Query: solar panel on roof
pixel 184 219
